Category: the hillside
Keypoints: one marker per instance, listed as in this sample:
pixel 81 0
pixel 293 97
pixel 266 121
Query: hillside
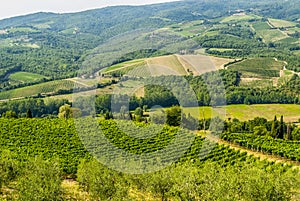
pixel 169 65
pixel 59 45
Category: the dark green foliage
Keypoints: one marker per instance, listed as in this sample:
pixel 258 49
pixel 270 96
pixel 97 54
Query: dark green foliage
pixel 101 182
pixel 278 147
pixel 49 138
pixel 37 107
pixel 174 116
pixel 28 114
pixel 40 180
pixel 9 168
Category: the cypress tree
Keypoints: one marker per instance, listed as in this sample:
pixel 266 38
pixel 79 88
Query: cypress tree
pixel 274 127
pixel 281 128
pixel 29 113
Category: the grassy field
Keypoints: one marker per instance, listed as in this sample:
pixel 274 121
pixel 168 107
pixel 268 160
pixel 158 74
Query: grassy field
pixel 123 65
pixel 281 23
pixel 240 18
pixel 269 35
pixel 258 67
pixel 252 82
pixel 221 49
pixel 290 112
pixel 189 28
pixel 166 65
pixel 261 26
pixel 26 77
pixel 292 30
pixel 44 88
pixel 22 29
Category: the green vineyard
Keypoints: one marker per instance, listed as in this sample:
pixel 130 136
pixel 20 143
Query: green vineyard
pixel 283 148
pixel 49 88
pixel 53 138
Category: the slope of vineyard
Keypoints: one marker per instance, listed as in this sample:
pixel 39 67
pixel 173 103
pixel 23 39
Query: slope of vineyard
pixel 258 68
pixel 52 138
pixel 52 87
pixel 283 148
pixel 60 140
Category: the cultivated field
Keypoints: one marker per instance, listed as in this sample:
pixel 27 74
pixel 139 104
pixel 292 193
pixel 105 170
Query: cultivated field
pixel 258 67
pixel 25 77
pixel 240 18
pixel 281 23
pixel 169 65
pixel 264 30
pixel 44 88
pixel 166 65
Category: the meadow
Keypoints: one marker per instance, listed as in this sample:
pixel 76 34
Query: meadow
pixel 25 77
pixel 290 112
pixel 240 18
pixel 278 23
pixel 264 30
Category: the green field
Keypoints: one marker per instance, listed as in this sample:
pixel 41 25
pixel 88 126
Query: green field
pixel 44 88
pixel 189 28
pixel 290 112
pixel 240 18
pixel 281 23
pixel 254 83
pixel 26 77
pixel 269 35
pixel 22 29
pixel 261 26
pixel 221 49
pixel 258 67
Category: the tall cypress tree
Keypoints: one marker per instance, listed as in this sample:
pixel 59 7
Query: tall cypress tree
pixel 274 127
pixel 29 113
pixel 281 128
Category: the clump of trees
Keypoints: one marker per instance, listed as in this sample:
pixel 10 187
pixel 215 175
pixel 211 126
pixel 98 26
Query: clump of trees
pixel 189 182
pixel 262 127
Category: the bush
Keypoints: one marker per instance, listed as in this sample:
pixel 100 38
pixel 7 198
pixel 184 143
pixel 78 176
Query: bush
pixel 100 182
pixel 9 168
pixel 40 180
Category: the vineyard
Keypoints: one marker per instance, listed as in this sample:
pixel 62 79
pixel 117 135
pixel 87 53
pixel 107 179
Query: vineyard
pixel 52 87
pixel 283 148
pixel 258 68
pixel 52 138
pixel 58 143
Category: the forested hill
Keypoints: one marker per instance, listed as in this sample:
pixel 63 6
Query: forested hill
pixel 93 21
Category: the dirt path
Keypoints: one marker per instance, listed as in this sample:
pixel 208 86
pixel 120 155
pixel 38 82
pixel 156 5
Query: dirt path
pixel 77 82
pixel 261 155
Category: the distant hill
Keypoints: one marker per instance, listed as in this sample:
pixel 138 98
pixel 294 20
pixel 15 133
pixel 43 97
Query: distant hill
pixel 58 45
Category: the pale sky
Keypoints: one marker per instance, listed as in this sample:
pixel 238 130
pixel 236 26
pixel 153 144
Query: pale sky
pixel 20 7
